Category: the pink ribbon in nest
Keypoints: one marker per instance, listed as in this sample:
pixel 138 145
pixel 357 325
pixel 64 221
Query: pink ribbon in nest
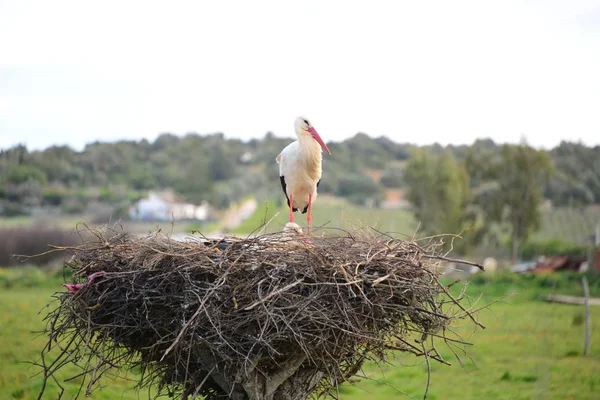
pixel 75 287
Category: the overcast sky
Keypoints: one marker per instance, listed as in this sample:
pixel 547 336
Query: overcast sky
pixel 72 72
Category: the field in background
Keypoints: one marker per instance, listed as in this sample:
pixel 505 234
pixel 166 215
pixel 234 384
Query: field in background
pixel 570 225
pixel 574 225
pixel 529 350
pixel 331 213
pixel 74 222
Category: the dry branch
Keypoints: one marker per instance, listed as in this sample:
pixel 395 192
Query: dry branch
pixel 260 318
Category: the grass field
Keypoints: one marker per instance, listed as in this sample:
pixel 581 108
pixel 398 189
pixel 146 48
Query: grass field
pixel 332 213
pixel 530 350
pixel 569 225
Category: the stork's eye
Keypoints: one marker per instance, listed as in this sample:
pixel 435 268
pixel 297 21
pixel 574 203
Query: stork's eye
pixel 306 122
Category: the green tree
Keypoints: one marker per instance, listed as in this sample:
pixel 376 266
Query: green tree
pixel 438 189
pixel 392 176
pixel 18 174
pixel 221 164
pixel 195 183
pixel 518 193
pixel 358 189
pixel 60 165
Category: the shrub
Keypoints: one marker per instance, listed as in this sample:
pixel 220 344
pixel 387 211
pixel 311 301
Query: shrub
pixel 73 205
pixel 18 174
pixel 359 185
pixel 106 194
pixel 12 209
pixel 134 196
pixel 53 197
pixel 393 177
pixel 82 194
pixel 553 247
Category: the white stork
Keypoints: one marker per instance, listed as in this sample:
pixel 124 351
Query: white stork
pixel 300 168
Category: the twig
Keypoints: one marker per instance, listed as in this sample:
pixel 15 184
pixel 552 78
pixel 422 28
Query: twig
pixel 187 325
pixel 379 280
pixel 275 293
pixel 455 260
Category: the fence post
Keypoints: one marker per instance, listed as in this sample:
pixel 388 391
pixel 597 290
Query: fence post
pixel 586 302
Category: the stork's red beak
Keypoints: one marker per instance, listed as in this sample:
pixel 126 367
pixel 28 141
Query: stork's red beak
pixel 316 136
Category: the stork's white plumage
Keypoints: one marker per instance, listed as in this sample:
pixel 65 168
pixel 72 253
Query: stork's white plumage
pixel 300 168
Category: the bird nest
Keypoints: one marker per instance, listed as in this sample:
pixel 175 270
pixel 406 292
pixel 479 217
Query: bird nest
pixel 259 318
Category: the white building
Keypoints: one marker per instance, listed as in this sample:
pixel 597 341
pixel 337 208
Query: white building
pixel 165 207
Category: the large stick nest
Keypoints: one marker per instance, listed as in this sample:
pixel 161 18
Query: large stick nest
pixel 222 319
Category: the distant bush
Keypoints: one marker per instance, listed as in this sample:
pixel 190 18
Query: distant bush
pixel 12 209
pixel 29 193
pixel 53 197
pixel 102 213
pixel 359 189
pixel 393 177
pixel 134 196
pixel 22 173
pixel 82 194
pixel 73 205
pixel 106 194
pixel 553 247
pixel 357 185
pixel 32 240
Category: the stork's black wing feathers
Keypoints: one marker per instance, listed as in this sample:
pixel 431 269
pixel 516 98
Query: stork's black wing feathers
pixel 283 186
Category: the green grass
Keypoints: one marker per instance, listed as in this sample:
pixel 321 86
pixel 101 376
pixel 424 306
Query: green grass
pixel 331 213
pixel 19 347
pixel 530 350
pixel 26 276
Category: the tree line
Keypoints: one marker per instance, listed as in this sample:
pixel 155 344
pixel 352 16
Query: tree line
pixel 450 187
pixel 482 191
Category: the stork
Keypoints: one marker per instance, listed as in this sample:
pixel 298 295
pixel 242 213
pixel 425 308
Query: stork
pixel 300 169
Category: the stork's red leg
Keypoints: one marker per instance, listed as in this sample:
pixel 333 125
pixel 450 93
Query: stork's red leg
pixel 309 215
pixel 291 209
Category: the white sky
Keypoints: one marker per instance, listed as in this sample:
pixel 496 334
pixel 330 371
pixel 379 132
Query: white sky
pixel 421 71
